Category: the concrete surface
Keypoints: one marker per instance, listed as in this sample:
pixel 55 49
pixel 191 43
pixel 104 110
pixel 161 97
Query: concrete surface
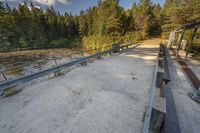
pixel 188 111
pixel 106 96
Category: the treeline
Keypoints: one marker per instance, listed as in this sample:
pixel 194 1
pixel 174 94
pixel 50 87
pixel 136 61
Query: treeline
pixel 176 13
pixel 109 23
pixel 30 27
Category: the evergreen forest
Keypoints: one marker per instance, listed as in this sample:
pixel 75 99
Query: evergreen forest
pixel 30 27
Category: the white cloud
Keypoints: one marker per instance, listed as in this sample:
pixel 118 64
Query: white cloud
pixel 44 2
pixel 52 2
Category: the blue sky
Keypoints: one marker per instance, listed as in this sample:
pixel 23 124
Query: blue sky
pixel 76 5
pixel 73 6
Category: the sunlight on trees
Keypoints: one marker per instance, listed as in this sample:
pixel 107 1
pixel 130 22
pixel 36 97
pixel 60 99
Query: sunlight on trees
pixel 29 27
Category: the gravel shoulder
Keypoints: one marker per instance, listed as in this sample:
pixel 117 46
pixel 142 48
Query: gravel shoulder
pixel 106 96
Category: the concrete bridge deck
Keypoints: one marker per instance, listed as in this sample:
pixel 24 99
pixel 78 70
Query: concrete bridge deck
pixel 106 96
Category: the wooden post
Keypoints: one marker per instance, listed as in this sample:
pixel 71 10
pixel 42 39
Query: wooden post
pixel 179 42
pixel 190 43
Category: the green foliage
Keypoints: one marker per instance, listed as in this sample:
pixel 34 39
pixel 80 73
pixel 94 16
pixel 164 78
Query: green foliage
pixel 109 23
pixel 176 13
pixel 106 23
pixel 132 37
pixel 22 28
pixel 97 42
pixel 98 26
pixel 62 42
pixel 22 42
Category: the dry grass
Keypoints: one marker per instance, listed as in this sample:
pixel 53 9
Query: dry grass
pixel 48 52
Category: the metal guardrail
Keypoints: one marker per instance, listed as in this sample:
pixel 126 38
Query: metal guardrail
pixel 4 72
pixel 149 107
pixel 166 57
pixel 171 122
pixel 13 82
pixel 161 76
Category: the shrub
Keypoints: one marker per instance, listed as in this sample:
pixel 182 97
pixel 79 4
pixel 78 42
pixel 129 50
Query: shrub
pixel 98 42
pixel 62 42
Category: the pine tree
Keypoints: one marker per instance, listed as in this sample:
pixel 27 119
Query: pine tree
pixel 143 16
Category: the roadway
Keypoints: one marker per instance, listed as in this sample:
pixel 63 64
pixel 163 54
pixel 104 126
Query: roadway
pixel 105 96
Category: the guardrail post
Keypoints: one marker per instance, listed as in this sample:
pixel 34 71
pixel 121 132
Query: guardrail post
pixel 110 53
pixel 2 73
pixel 158 114
pixel 116 48
pixel 55 61
pixel 83 63
pixel 82 54
pixel 99 57
pixel 57 73
pixel 158 107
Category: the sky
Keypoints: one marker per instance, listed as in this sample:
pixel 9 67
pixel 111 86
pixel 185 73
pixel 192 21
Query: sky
pixel 73 6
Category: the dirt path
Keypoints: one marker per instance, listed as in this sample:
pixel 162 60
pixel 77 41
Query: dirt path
pixel 152 41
